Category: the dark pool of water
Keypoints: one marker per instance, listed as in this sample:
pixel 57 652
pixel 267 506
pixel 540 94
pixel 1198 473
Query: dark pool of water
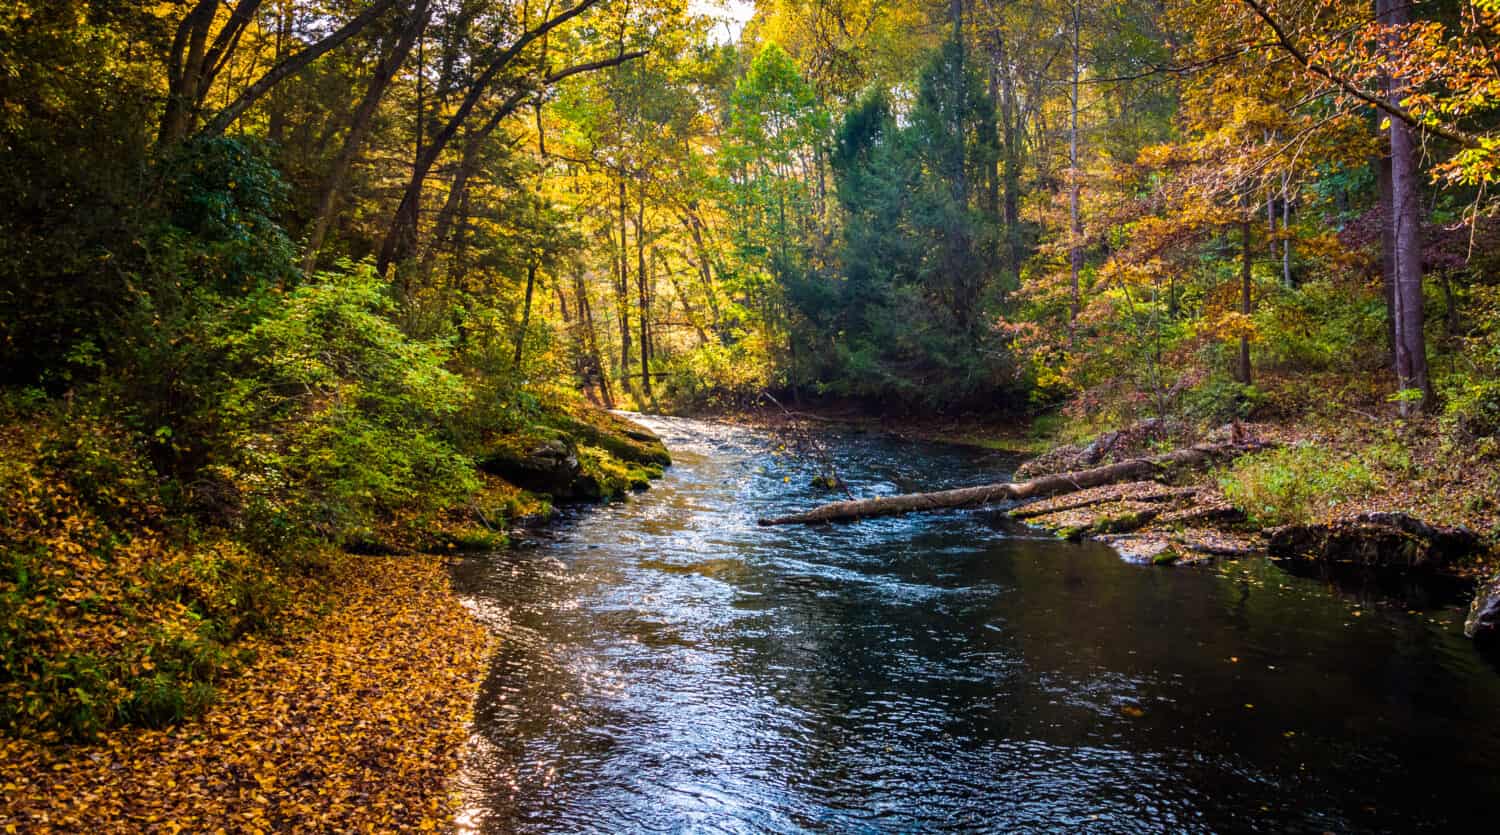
pixel 669 666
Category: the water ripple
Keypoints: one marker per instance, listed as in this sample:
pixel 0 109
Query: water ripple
pixel 667 665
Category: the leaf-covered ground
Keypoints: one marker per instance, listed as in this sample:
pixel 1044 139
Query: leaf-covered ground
pixel 355 725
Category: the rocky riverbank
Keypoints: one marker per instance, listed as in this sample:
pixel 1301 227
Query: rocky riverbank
pixel 1194 521
pixel 1355 497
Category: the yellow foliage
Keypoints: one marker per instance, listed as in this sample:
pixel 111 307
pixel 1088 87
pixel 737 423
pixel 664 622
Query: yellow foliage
pixel 356 726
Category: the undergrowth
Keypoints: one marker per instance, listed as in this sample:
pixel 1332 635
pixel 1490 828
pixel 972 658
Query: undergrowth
pixel 1295 484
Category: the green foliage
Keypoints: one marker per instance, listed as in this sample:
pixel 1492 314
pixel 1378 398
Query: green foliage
pixel 1294 485
pixel 1220 399
pixel 335 416
pixel 905 314
pixel 716 375
pixel 75 161
pixel 1471 391
pixel 105 619
pixel 1321 326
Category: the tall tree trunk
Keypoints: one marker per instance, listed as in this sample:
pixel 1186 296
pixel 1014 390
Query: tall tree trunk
pixel 1012 173
pixel 1286 233
pixel 586 318
pixel 643 283
pixel 359 129
pixel 704 264
pixel 276 118
pixel 1075 229
pixel 687 305
pixel 992 168
pixel 1245 374
pixel 622 289
pixel 1382 166
pixel 1406 205
pixel 185 73
pixel 525 315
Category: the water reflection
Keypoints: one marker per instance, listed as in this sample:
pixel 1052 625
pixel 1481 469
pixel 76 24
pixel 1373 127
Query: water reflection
pixel 669 666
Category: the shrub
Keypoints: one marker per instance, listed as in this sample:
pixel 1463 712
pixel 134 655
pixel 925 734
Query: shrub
pixel 1472 394
pixel 1292 485
pixel 337 417
pixel 1322 326
pixel 1220 399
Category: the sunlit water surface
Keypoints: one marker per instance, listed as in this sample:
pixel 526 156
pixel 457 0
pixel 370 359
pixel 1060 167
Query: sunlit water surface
pixel 667 665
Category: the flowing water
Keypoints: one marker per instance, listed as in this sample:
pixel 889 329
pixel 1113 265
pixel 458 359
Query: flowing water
pixel 669 666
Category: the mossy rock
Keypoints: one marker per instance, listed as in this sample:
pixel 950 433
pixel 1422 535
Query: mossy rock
pixel 607 477
pixel 619 437
pixel 539 464
pixel 1072 533
pixel 584 456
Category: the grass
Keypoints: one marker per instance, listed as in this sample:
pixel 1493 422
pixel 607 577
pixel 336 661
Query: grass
pixel 1297 484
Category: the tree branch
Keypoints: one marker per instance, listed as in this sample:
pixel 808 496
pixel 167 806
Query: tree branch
pixel 290 66
pixel 1392 109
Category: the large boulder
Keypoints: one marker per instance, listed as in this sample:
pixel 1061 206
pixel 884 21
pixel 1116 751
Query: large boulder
pixel 1382 540
pixel 548 466
pixel 1483 624
pixel 587 456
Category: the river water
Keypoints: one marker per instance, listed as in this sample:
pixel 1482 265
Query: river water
pixel 668 666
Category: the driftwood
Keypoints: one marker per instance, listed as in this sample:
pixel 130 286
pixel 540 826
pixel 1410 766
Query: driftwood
pixel 1139 469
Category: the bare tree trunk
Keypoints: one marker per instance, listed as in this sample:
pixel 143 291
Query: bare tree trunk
pixel 1406 205
pixel 622 290
pixel 1075 247
pixel 1286 233
pixel 704 265
pixel 525 315
pixel 1387 249
pixel 643 282
pixel 1012 174
pixel 276 105
pixel 586 318
pixel 687 306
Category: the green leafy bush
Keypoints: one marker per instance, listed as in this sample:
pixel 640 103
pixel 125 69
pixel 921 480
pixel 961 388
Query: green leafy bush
pixel 1322 326
pixel 1296 484
pixel 1471 394
pixel 1220 399
pixel 336 417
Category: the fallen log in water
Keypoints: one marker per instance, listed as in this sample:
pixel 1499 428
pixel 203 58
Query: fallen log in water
pixel 1137 469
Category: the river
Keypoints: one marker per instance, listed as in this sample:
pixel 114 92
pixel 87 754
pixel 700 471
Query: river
pixel 668 666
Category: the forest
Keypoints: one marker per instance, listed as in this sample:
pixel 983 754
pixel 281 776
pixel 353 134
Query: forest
pixel 288 287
